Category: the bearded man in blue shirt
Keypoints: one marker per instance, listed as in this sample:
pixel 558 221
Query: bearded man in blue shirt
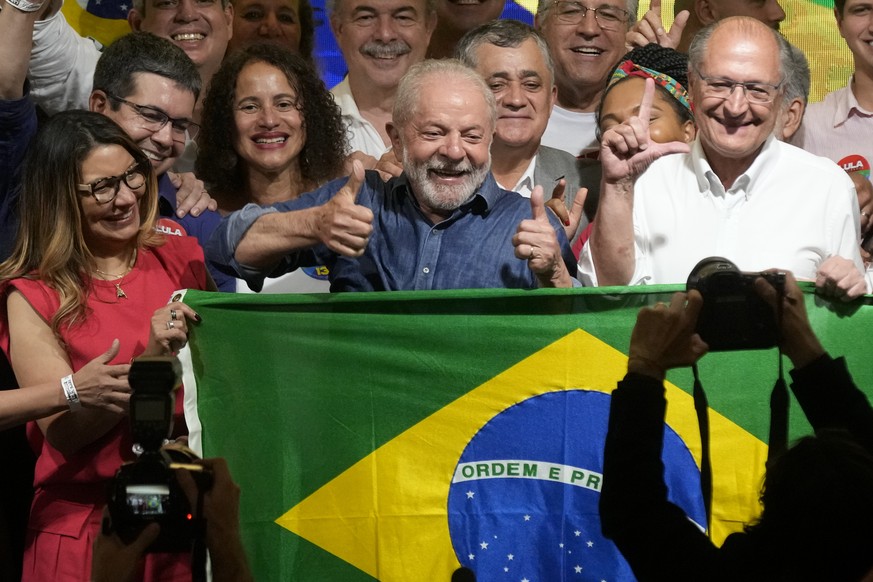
pixel 442 224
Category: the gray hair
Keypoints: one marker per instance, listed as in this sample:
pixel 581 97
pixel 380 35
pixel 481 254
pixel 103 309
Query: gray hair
pixel 700 44
pixel 797 76
pixel 143 52
pixel 331 6
pixel 504 33
pixel 632 6
pixel 409 91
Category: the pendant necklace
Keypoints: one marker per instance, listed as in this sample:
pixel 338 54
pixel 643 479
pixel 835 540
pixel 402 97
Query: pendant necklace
pixel 117 279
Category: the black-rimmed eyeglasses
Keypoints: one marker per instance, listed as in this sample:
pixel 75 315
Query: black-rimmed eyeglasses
pixel 182 128
pixel 105 190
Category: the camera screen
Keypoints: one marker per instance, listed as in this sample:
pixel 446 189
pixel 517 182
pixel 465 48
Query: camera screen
pixel 148 499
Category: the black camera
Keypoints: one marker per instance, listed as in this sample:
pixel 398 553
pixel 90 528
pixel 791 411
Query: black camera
pixel 733 316
pixel 146 490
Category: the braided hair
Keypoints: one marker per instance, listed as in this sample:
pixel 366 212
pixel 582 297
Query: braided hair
pixel 665 61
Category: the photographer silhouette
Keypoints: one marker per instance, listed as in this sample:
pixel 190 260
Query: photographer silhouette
pixel 817 496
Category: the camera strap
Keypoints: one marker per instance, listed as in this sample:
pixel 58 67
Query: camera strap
pixel 701 407
pixel 777 440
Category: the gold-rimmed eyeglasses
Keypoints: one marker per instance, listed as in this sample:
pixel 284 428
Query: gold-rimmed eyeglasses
pixel 607 16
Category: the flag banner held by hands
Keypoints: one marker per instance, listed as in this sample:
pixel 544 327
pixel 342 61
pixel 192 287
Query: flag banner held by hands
pixel 399 436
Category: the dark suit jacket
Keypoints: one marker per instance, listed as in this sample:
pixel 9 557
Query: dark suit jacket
pixel 553 164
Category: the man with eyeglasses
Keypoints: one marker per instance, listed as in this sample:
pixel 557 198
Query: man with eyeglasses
pixel 586 38
pixel 735 192
pixel 62 63
pixel 149 87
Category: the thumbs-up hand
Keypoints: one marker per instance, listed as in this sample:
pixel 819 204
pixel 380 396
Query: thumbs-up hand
pixel 536 241
pixel 344 226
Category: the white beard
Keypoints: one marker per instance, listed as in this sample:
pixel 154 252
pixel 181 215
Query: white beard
pixel 442 196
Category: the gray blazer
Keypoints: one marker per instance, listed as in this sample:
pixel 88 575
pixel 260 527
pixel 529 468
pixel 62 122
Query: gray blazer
pixel 553 164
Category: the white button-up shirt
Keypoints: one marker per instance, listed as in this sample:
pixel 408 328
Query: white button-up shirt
pixel 790 210
pixel 363 135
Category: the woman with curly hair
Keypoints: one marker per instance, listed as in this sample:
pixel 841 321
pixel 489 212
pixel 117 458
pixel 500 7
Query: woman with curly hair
pixel 271 130
pixel 84 291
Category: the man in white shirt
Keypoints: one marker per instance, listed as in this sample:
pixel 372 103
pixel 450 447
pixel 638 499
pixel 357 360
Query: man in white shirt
pixel 840 126
pixel 380 40
pixel 586 39
pixel 738 193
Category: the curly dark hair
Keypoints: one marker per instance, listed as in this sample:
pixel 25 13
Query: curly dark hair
pixel 661 59
pixel 323 154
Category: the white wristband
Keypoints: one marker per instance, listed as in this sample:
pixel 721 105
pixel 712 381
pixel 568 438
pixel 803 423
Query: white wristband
pixel 70 392
pixel 24 5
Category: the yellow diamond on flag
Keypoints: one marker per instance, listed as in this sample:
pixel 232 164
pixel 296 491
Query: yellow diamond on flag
pixel 386 514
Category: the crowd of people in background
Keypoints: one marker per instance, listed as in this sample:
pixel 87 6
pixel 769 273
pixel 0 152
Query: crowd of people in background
pixel 203 151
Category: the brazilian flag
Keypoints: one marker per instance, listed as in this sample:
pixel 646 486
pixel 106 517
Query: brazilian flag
pixel 398 436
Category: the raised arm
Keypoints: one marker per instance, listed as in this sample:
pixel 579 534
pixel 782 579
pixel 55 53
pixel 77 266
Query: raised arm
pixel 62 64
pixel 15 42
pixel 254 241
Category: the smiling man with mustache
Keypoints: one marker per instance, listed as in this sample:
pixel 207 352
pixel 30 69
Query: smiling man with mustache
pixel 380 40
pixel 444 223
pixel 586 39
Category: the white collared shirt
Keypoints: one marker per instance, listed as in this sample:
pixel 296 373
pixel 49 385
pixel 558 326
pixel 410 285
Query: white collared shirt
pixel 363 135
pixel 790 210
pixel 525 184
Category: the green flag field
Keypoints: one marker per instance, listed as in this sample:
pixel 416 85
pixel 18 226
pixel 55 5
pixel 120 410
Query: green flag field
pixel 398 436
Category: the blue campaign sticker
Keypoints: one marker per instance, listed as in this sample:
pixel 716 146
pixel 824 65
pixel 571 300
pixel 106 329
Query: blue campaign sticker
pixel 523 503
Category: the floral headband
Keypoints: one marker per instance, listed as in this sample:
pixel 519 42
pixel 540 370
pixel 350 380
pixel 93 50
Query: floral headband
pixel 630 69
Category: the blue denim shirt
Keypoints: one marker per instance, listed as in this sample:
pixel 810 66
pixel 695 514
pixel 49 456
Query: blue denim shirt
pixel 470 249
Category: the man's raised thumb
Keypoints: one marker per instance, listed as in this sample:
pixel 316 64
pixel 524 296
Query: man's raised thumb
pixel 355 181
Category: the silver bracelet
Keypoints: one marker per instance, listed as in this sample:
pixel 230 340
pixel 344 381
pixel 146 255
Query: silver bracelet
pixel 70 392
pixel 24 5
